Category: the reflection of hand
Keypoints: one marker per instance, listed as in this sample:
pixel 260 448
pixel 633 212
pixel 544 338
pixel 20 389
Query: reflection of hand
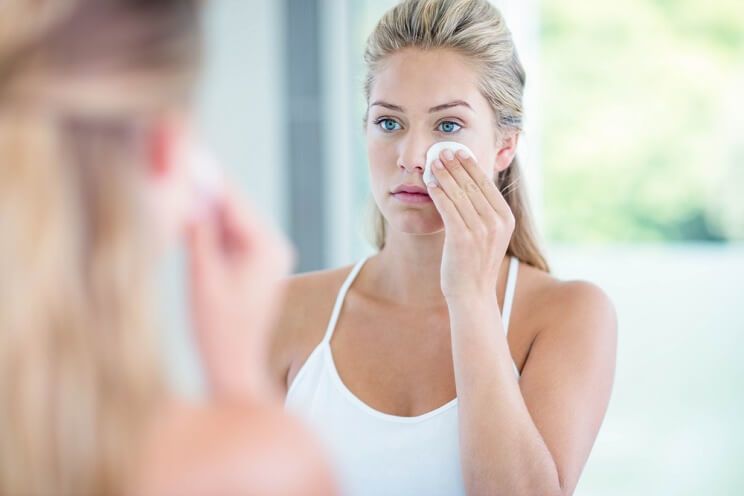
pixel 236 263
pixel 478 225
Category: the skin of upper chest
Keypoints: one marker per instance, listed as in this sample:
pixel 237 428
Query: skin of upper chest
pixel 394 358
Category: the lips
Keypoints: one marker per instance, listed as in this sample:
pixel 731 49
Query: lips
pixel 412 189
pixel 411 194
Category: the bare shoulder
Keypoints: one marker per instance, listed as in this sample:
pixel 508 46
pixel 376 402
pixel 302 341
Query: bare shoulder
pixel 306 292
pixel 232 449
pixel 306 309
pixel 566 307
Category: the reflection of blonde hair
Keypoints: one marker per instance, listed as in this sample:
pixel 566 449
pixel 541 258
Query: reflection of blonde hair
pixel 79 372
pixel 477 30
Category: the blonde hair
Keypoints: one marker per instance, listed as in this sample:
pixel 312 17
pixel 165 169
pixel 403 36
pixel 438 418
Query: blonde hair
pixel 79 369
pixel 477 30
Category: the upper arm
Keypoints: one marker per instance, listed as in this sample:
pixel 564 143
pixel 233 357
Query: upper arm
pixel 279 342
pixel 567 378
pixel 307 301
pixel 283 335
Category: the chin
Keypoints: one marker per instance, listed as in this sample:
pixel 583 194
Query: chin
pixel 415 223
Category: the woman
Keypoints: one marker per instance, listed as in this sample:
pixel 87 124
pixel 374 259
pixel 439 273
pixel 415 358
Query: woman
pixel 94 140
pixel 412 383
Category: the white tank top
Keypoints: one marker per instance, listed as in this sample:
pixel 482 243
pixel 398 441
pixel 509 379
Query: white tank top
pixel 375 453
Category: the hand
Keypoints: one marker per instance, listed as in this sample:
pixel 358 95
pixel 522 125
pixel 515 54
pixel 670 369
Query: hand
pixel 478 225
pixel 236 265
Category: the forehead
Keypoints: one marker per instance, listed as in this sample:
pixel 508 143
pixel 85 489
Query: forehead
pixel 419 79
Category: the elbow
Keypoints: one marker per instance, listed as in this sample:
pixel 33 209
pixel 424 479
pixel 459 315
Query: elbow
pixel 552 490
pixel 539 487
pixel 562 488
pixel 553 486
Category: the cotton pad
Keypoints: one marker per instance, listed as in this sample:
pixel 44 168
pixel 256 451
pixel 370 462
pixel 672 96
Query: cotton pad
pixel 433 153
pixel 205 176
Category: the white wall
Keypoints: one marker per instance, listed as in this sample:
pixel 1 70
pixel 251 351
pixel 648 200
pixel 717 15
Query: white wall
pixel 523 18
pixel 241 103
pixel 240 109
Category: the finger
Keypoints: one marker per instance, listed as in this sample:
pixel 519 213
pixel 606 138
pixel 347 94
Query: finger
pixel 471 185
pixel 199 242
pixel 450 216
pixel 486 183
pixel 240 227
pixel 252 235
pixel 456 195
pixel 202 248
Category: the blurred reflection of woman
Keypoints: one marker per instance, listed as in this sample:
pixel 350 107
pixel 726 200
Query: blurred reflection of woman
pixel 94 111
pixel 414 383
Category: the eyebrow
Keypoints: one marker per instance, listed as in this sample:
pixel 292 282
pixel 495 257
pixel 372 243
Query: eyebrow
pixel 455 103
pixel 444 106
pixel 387 106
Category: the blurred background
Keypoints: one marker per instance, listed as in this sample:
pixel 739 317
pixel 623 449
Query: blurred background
pixel 634 157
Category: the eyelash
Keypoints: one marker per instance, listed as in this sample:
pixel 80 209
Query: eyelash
pixel 379 121
pixel 459 126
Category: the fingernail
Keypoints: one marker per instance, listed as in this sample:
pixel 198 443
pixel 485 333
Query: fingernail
pixel 462 154
pixel 448 155
pixel 432 184
pixel 438 164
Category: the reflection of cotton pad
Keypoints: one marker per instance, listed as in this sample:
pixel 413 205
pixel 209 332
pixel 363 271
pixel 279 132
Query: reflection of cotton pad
pixel 205 176
pixel 433 153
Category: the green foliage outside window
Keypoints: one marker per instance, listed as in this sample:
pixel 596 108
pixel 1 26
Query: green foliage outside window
pixel 642 107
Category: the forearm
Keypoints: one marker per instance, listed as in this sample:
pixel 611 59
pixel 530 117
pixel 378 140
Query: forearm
pixel 502 450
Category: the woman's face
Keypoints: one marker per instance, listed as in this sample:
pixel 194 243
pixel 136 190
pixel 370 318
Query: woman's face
pixel 418 98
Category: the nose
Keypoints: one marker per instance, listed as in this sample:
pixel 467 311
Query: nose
pixel 413 155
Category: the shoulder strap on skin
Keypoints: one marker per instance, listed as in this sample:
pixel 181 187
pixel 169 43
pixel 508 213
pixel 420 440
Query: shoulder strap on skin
pixel 340 299
pixel 511 284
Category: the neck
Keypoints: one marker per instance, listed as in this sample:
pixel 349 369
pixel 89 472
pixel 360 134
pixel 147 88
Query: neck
pixel 407 270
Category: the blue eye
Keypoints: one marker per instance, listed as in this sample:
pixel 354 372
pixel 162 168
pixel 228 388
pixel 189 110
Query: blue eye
pixel 449 127
pixel 388 125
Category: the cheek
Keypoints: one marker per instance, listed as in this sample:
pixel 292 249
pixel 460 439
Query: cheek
pixel 381 155
pixel 484 148
pixel 487 161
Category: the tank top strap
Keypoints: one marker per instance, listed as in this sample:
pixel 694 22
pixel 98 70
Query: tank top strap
pixel 511 284
pixel 340 299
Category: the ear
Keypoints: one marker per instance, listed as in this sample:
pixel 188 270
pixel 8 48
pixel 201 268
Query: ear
pixel 507 151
